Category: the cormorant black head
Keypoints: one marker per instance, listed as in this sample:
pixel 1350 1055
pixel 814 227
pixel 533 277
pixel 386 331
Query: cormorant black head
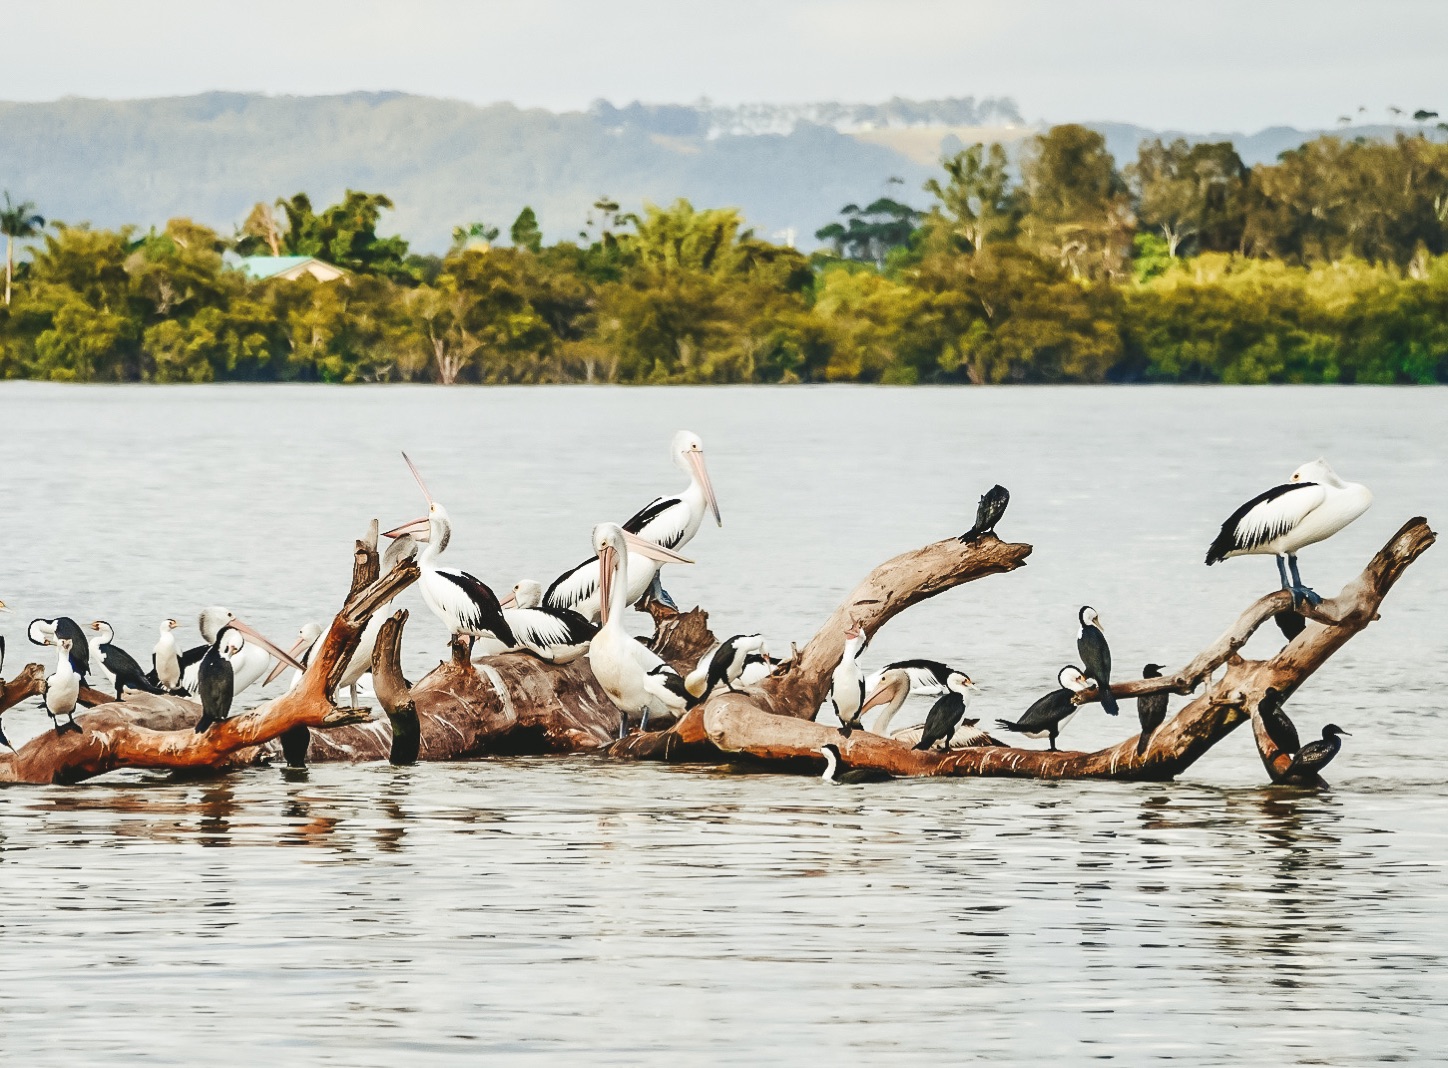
pixel 1333 729
pixel 1271 699
pixel 1151 671
pixel 832 749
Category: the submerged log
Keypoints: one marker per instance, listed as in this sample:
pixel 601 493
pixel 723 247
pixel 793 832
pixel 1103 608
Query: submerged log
pixel 755 726
pixel 116 735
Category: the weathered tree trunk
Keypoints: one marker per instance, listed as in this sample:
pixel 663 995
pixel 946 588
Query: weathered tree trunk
pixel 116 735
pixel 754 726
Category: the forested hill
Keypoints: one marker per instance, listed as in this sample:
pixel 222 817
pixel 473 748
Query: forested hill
pixel 445 163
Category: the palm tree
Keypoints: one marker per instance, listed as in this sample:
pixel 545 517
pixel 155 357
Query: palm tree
pixel 16 220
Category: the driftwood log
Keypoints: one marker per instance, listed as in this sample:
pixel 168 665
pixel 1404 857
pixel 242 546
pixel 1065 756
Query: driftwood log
pixel 516 703
pixel 145 733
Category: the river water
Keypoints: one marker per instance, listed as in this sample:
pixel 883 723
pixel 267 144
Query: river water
pixel 575 909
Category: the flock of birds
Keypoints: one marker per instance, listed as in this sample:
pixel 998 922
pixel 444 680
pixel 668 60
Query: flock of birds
pixel 581 614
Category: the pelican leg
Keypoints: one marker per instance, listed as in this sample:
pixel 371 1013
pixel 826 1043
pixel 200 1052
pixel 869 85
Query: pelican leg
pixel 1282 571
pixel 1300 592
pixel 643 720
pixel 658 593
pixel 622 725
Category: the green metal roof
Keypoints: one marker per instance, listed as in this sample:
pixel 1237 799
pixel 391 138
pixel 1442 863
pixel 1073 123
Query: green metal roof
pixel 260 267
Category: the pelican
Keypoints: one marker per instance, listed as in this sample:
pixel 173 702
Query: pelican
pixel 896 682
pixel 464 603
pixel 847 685
pixel 633 676
pixel 668 521
pixel 165 658
pixel 120 667
pixel 307 636
pixel 48 631
pixel 559 635
pixel 1096 657
pixel 62 688
pixel 1046 717
pixel 249 661
pixel 218 673
pixel 726 664
pixel 1313 505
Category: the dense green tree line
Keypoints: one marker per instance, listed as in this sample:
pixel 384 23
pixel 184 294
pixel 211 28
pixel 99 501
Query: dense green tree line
pixel 1060 266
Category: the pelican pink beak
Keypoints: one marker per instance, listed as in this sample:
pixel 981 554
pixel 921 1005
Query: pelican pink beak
pixel 266 643
pixel 419 530
pixel 607 561
pixel 510 601
pixel 653 550
pixel 884 693
pixel 298 648
pixel 701 472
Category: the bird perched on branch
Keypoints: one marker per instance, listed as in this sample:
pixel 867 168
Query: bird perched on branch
pixel 1046 717
pixel 988 513
pixel 1314 756
pixel 48 631
pixel 62 688
pixel 166 658
pixel 944 716
pixel 726 664
pixel 1311 506
pixel 216 674
pixel 847 685
pixel 1150 709
pixel 837 774
pixel 1096 657
pixel 1279 727
pixel 896 682
pixel 119 666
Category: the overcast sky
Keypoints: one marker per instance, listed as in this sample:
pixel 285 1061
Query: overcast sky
pixel 1202 65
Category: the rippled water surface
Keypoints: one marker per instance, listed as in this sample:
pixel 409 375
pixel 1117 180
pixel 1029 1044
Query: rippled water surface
pixel 576 909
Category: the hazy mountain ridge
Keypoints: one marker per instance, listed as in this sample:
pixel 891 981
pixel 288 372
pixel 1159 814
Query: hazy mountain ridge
pixel 445 162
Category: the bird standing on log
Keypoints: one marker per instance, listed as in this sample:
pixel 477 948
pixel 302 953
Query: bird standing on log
pixel 62 688
pixel 119 666
pixel 726 664
pixel 166 658
pixel 558 635
pixel 1311 506
pixel 48 631
pixel 847 686
pixel 1096 657
pixel 1314 756
pixel 1150 709
pixel 1046 717
pixel 944 716
pixel 988 513
pixel 894 683
pixel 634 677
pixel 216 674
pixel 1279 726
pixel 464 603
pixel 668 521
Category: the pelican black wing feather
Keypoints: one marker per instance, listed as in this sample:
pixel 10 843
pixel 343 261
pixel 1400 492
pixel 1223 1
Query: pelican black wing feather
pixel 487 613
pixel 648 513
pixel 1235 537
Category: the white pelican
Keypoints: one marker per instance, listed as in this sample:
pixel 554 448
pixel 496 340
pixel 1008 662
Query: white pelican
pixel 248 661
pixel 1311 506
pixel 668 521
pixel 166 658
pixel 896 682
pixel 464 603
pixel 847 687
pixel 307 637
pixel 1046 717
pixel 218 673
pixel 62 688
pixel 559 635
pixel 726 664
pixel 635 678
pixel 120 666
